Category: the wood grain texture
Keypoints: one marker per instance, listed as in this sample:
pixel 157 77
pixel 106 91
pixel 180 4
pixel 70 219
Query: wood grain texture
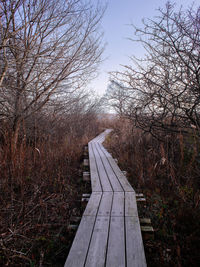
pixel 98 246
pixel 95 180
pixel 106 204
pixel 134 245
pixel 112 177
pixel 109 233
pixel 93 204
pixel 105 182
pixel 122 179
pixel 78 252
pixel 130 204
pixel 116 243
pixel 107 154
pixel 118 204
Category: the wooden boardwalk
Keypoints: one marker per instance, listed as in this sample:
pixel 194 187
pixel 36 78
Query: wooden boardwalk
pixel 109 232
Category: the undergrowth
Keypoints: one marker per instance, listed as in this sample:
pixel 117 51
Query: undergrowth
pixel 41 187
pixel 167 173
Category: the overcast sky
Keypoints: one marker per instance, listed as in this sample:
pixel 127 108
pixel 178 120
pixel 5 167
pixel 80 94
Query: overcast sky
pixel 120 14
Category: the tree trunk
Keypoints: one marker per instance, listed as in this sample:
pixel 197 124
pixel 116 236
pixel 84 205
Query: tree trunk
pixel 15 135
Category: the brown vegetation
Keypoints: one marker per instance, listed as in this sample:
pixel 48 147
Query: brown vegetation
pixel 157 138
pixel 41 187
pixel 49 50
pixel 167 173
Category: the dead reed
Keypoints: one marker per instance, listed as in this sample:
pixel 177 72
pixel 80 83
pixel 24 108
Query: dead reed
pixel 167 173
pixel 40 187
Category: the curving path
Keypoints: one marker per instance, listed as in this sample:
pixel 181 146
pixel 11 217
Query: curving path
pixel 109 232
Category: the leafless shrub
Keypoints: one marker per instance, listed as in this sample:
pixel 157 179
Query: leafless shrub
pixel 48 50
pixel 161 93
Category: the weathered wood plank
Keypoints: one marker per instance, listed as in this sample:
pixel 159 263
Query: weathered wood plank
pixel 118 204
pixel 103 135
pixel 106 204
pixel 106 185
pixel 98 246
pixel 134 245
pixel 100 140
pixel 116 243
pixel 107 154
pixel 112 177
pixel 86 162
pixel 95 180
pixel 78 252
pixel 96 140
pixel 130 204
pixel 109 233
pixel 93 204
pixel 147 232
pixel 122 179
pixel 86 176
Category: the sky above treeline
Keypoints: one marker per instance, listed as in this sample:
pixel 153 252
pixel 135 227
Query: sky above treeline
pixel 116 25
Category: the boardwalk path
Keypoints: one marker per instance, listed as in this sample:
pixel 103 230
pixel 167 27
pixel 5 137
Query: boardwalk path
pixel 109 232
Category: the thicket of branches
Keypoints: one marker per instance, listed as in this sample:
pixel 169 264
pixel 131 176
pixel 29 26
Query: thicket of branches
pixel 157 132
pixel 49 50
pixel 161 92
pixel 167 173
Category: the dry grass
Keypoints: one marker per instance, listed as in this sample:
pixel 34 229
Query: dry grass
pixel 168 175
pixel 40 189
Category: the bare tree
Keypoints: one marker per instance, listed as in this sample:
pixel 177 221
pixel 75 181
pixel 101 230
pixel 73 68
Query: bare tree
pixel 5 25
pixel 52 47
pixel 164 87
pixel 71 117
pixel 117 97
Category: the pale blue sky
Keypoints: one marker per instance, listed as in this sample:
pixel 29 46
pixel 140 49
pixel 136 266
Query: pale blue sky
pixel 116 26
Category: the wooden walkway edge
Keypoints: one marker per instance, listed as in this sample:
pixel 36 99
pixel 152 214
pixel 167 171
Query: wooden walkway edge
pixel 109 233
